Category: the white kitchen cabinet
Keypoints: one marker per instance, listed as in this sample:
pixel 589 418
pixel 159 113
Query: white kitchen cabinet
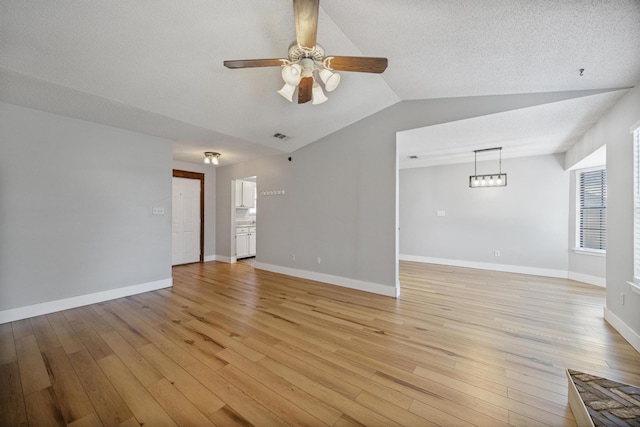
pixel 252 241
pixel 245 194
pixel 242 242
pixel 245 242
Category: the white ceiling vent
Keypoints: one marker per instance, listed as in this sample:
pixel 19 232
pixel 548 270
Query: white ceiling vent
pixel 281 136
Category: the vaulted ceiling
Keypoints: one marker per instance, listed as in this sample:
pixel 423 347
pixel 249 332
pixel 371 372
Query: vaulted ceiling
pixel 155 66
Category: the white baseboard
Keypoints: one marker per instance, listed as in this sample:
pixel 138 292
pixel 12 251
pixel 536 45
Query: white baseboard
pixel 586 278
pixel 346 282
pixel 624 329
pixel 13 314
pixel 546 272
pixel 209 258
pixel 228 260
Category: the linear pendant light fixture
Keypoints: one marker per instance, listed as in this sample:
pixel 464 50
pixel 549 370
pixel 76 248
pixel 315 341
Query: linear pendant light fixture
pixel 487 180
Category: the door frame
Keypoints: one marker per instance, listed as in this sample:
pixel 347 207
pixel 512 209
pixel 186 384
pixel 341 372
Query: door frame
pixel 200 176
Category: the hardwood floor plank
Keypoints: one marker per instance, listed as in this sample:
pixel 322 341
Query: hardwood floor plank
pixel 89 420
pixel 90 339
pixel 7 344
pixel 437 416
pixel 346 406
pixel 280 406
pixel 131 422
pixel 72 399
pixel 65 333
pixel 128 331
pixel 43 409
pixel 239 401
pixel 109 406
pixel 21 329
pixel 400 415
pixel 285 389
pixel 207 402
pixel 33 373
pixel 324 377
pixel 180 409
pixel 12 405
pixel 45 335
pixel 138 365
pixel 145 408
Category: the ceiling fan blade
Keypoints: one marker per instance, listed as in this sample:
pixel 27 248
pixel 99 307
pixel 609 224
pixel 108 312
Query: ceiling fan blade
pixel 362 64
pixel 306 17
pixel 304 90
pixel 249 63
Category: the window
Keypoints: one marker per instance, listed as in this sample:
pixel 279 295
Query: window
pixel 592 209
pixel 636 205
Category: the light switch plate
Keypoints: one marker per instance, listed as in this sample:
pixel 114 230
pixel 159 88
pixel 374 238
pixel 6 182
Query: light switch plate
pixel 441 213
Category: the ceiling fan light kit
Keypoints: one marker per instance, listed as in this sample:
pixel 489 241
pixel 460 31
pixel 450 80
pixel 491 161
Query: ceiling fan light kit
pixel 211 158
pixel 287 91
pixel 292 74
pixel 317 94
pixel 306 57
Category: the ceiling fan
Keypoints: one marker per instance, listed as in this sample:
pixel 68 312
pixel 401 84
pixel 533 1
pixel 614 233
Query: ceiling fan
pixel 306 57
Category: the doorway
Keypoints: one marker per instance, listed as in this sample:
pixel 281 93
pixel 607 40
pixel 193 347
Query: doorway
pixel 187 244
pixel 244 219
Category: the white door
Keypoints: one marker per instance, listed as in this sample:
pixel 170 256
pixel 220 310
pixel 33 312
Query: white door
pixel 185 247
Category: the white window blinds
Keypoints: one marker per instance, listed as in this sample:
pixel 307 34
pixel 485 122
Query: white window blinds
pixel 592 219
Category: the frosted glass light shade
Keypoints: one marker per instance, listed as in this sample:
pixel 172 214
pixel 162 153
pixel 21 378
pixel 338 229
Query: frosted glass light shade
pixel 287 91
pixel 330 80
pixel 292 74
pixel 317 94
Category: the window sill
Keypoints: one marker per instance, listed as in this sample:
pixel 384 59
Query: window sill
pixel 591 252
pixel 634 287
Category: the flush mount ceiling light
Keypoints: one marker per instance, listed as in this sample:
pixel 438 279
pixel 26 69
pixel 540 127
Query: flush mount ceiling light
pixel 487 180
pixel 306 58
pixel 211 157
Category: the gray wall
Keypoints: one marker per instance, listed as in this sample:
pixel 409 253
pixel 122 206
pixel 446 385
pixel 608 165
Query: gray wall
pixel 526 220
pixel 209 172
pixel 75 207
pixel 613 130
pixel 340 200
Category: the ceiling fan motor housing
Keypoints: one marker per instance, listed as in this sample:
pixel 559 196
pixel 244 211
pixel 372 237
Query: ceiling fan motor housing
pixel 297 53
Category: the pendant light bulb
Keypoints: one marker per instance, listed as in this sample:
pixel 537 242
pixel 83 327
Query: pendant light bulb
pixel 287 92
pixel 317 94
pixel 292 74
pixel 330 80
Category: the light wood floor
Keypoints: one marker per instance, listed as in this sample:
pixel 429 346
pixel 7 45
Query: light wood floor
pixel 230 345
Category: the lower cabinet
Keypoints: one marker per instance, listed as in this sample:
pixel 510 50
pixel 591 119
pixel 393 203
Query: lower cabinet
pixel 252 241
pixel 245 242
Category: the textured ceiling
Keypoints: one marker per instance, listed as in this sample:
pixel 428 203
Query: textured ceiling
pixel 155 66
pixel 543 129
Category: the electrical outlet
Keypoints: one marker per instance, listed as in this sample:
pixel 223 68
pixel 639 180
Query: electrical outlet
pixel 496 253
pixel 621 298
pixel 293 257
pixel 157 211
pixel 319 260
